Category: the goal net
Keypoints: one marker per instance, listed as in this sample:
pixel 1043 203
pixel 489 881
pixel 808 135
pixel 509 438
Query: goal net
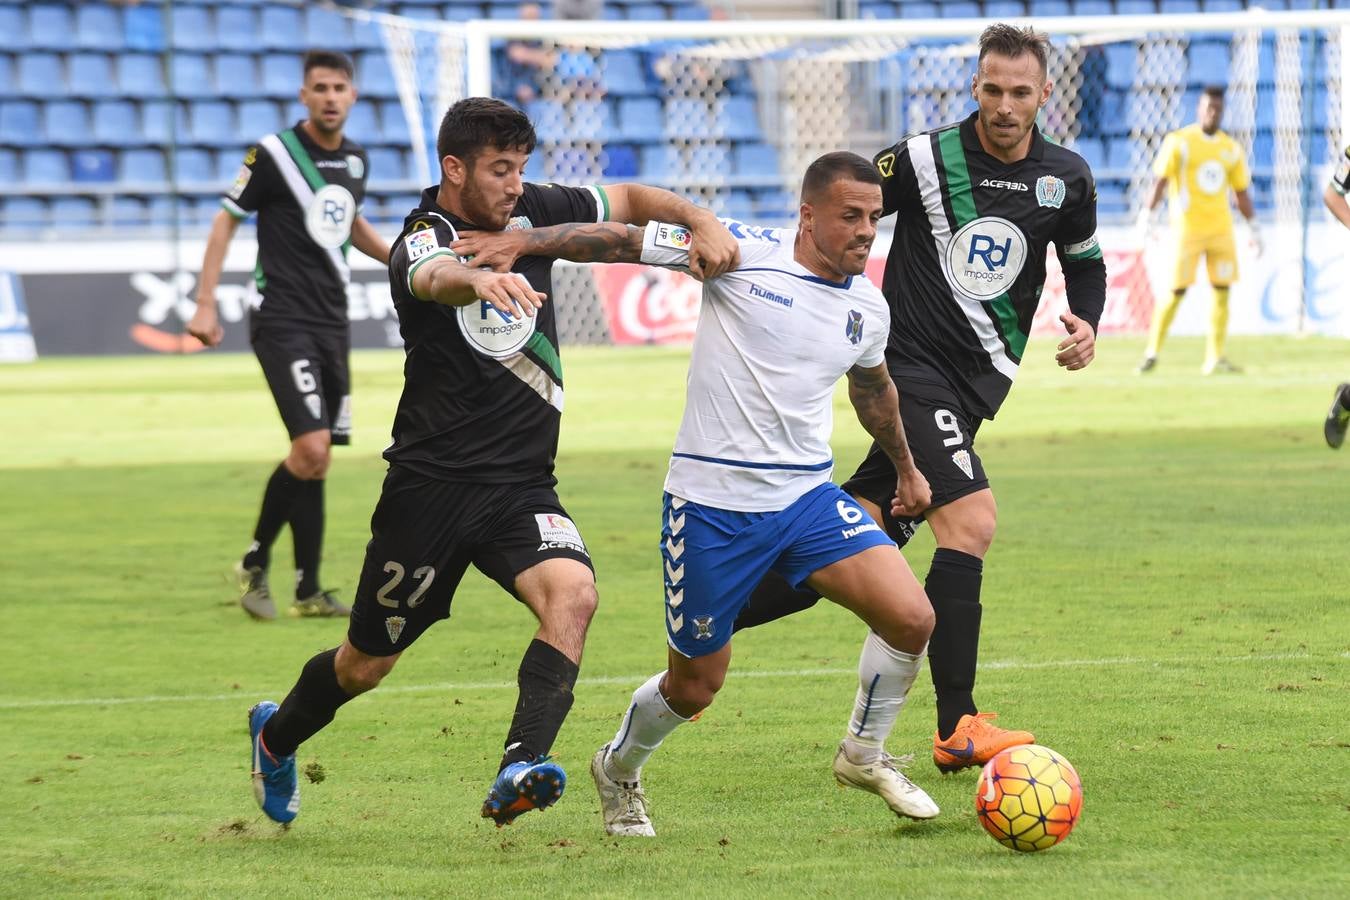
pixel 729 113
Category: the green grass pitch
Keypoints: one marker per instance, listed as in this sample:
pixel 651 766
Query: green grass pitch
pixel 1166 605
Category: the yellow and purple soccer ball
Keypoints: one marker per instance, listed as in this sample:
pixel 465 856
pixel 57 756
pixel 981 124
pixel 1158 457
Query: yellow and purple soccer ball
pixel 1029 798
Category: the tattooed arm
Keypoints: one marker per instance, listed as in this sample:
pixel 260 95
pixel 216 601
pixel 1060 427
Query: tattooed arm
pixel 604 242
pixel 877 403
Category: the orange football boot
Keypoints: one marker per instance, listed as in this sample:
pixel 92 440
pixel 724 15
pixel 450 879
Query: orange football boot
pixel 974 742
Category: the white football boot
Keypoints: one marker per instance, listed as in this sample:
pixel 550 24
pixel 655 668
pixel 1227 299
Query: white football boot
pixel 881 777
pixel 622 803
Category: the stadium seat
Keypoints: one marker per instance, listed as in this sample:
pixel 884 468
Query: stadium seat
pixel 91 75
pixel 9 167
pixel 140 76
pixel 687 117
pixel 211 122
pixel 12 29
pixel 92 166
pixel 1004 9
pixel 640 119
pixel 65 123
pixel 738 119
pixel 1136 7
pixel 1121 65
pixel 116 123
pixel 646 12
pixel 98 27
pixel 41 75
pixel 550 120
pixel 237 75
pixel 1042 9
pixel 45 167
pixel 126 212
pixel 281 75
pixel 258 118
pixel 237 28
pixel 588 120
pixel 739 204
pixel 363 124
pixel 163 121
pixel 1222 5
pixel 376 77
pixel 23 213
pixel 620 161
pixel 755 161
pixel 884 9
pixel 387 164
pixel 960 9
pixel 1207 64
pixel 161 210
pixel 192 28
pixel 50 27
pixel 690 12
pixel 919 11
pixel 144 27
pixel 1092 7
pixel 8 85
pixel 1121 156
pixel 1092 151
pixel 1178 7
pixel 774 207
pixel 143 167
pixel 710 161
pixel 228 162
pixel 191 76
pixel 662 162
pixel 194 167
pixel 367 36
pixel 19 123
pixel 623 74
pixel 280 27
pixel 326 29
pixel 395 125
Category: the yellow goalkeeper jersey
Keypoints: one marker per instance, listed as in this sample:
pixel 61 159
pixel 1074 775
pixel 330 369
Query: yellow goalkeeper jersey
pixel 1200 168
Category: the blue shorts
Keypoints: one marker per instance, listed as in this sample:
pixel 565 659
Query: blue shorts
pixel 714 558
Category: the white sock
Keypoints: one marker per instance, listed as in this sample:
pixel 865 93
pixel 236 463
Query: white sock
pixel 885 676
pixel 648 720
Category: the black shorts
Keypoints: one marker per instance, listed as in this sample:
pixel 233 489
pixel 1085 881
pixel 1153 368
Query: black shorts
pixel 310 378
pixel 941 436
pixel 424 534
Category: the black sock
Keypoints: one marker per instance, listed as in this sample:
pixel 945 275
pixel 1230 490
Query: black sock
pixel 773 598
pixel 308 708
pixel 546 678
pixel 307 533
pixel 953 587
pixel 276 507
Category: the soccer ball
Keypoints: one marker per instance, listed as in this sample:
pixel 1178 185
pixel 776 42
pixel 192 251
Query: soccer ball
pixel 1029 798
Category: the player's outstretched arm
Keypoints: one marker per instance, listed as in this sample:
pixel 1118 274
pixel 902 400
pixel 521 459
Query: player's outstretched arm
pixel 366 239
pixel 603 242
pixel 712 252
pixel 877 403
pixel 205 322
pixel 445 280
pixel 1337 205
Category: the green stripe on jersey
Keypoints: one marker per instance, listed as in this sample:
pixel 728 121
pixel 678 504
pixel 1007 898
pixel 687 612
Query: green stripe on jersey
pixel 540 346
pixel 1094 253
pixel 259 278
pixel 604 202
pixel 962 199
pixel 301 156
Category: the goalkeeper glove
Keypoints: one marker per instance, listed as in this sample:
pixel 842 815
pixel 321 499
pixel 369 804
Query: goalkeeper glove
pixel 1254 237
pixel 1143 226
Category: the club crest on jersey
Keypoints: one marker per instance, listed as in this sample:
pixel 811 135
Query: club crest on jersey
pixel 355 167
pixel 1050 191
pixel 984 258
pixel 962 460
pixel 1211 177
pixel 703 628
pixel 394 626
pixel 853 330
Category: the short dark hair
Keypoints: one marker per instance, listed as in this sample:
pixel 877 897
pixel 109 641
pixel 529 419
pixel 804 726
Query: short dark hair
pixel 832 167
pixel 330 59
pixel 473 124
pixel 1012 42
pixel 1214 91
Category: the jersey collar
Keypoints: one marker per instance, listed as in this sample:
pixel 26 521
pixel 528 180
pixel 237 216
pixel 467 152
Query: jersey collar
pixel 971 140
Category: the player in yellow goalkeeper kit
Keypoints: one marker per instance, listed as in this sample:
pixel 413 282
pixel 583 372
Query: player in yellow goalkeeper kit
pixel 1338 418
pixel 1200 163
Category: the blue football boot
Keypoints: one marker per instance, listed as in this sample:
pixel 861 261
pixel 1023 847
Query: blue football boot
pixel 275 785
pixel 523 786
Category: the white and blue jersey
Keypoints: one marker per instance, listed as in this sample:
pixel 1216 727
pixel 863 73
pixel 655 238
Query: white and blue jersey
pixel 772 342
pixel 748 489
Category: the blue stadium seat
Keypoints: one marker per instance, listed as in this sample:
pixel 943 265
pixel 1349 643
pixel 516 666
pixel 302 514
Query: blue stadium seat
pixel 140 76
pixel 960 9
pixel 116 124
pixel 1177 7
pixel 281 75
pixel 1092 150
pixel 258 118
pixel 41 75
pixel 228 162
pixel 366 35
pixel 688 117
pixel 325 29
pixel 1121 63
pixel 9 167
pixel 1111 199
pixel 395 130
pixel 376 77
pixel 774 207
pixel 1004 9
pixel 126 212
pixel 647 12
pixel 91 75
pixel 192 76
pixel 710 161
pixel 620 161
pixel 877 9
pixel 98 27
pixel 161 210
pixel 12 29
pixel 236 75
pixel 45 166
pixel 1207 64
pixel 92 166
pixel 1092 7
pixel 75 212
pixel 50 27
pixel 550 120
pixel 623 74
pixel 237 28
pixel 144 27
pixel 8 85
pixel 19 123
pixel 738 119
pixel 26 213
pixel 194 167
pixel 755 160
pixel 193 28
pixel 661 162
pixel 363 125
pixel 1136 7
pixel 65 123
pixel 640 119
pixel 588 120
pixel 690 12
pixel 388 164
pixel 211 122
pixel 1043 9
pixel 280 27
pixel 163 121
pixel 919 11
pixel 1121 157
pixel 1222 5
pixel 739 204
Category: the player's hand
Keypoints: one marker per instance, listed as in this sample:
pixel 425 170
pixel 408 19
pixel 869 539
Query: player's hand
pixel 1143 227
pixel 1254 238
pixel 495 250
pixel 205 325
pixel 508 293
pixel 1079 348
pixel 713 251
pixel 912 494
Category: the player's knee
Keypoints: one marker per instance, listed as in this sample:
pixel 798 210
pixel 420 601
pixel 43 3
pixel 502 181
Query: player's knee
pixel 689 694
pixel 574 603
pixel 310 455
pixel 358 673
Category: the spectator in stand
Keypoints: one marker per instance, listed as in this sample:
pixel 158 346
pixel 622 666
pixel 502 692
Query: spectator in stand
pixel 577 9
pixel 527 60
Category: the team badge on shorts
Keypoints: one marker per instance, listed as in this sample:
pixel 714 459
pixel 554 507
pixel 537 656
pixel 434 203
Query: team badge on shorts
pixel 1050 191
pixel 703 628
pixel 394 625
pixel 962 460
pixel 853 330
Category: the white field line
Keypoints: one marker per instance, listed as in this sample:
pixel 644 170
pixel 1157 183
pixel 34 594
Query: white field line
pixel 452 686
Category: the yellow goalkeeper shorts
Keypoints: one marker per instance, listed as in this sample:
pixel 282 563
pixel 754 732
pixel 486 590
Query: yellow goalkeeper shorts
pixel 1220 254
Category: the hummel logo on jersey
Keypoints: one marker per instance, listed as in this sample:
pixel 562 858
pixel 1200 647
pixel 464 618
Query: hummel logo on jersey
pixel 853 330
pixel 781 299
pixel 1006 185
pixel 859 529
